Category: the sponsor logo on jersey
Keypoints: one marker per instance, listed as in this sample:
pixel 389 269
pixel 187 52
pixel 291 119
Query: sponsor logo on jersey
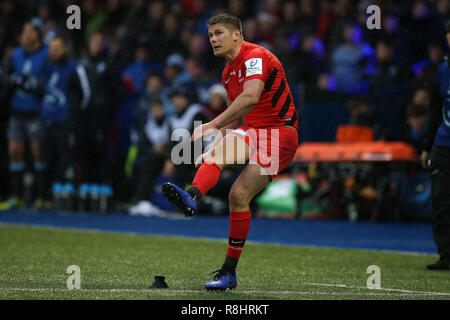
pixel 253 66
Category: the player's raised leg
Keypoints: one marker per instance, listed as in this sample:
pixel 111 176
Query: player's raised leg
pixel 230 151
pixel 249 183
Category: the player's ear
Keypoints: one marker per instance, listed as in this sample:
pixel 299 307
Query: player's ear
pixel 237 35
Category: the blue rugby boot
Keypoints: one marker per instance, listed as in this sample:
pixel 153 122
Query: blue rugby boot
pixel 180 198
pixel 221 281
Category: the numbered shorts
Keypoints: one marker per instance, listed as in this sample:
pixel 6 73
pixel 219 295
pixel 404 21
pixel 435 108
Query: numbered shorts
pixel 273 148
pixel 20 129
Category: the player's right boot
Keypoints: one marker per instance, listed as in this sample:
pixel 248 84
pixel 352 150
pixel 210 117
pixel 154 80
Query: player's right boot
pixel 180 198
pixel 222 281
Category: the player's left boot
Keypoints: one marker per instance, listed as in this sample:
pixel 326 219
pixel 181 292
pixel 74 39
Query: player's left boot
pixel 180 198
pixel 222 281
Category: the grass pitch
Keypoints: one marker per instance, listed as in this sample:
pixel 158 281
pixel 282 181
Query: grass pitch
pixel 33 264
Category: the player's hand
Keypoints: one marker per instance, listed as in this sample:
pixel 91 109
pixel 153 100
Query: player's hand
pixel 203 130
pixel 16 79
pixel 424 157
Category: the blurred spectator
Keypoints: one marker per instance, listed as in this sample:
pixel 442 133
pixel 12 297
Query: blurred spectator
pixel 64 87
pixel 325 18
pixel 352 62
pixel 50 31
pixel 217 101
pixel 443 13
pixel 422 97
pixel 342 15
pixel 388 87
pixel 12 19
pixel 290 14
pixel 326 82
pixel 116 11
pixel 422 29
pixel 175 76
pixel 199 54
pixel 266 25
pixel 416 126
pixel 273 8
pixel 94 113
pixel 308 14
pixel 202 11
pixel 154 85
pixel 150 139
pixel 239 8
pixel 251 31
pixel 171 29
pixel 174 70
pixel 360 114
pixel 94 15
pixel 153 26
pixel 199 80
pixel 344 9
pixel 198 46
pixel 393 33
pixel 288 35
pixel 361 19
pixel 29 72
pixel 308 62
pixel 427 75
pixel 188 115
pixel 133 81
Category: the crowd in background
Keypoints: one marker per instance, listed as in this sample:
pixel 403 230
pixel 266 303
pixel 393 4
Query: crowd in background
pixel 137 70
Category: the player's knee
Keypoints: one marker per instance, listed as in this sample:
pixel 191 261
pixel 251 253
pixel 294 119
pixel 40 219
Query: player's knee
pixel 16 152
pixel 214 159
pixel 238 197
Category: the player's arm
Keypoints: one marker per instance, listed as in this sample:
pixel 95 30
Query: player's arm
pixel 237 110
pixel 242 104
pixel 219 137
pixel 232 125
pixel 223 131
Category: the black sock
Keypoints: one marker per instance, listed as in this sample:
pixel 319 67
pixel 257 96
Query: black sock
pixel 230 265
pixel 195 193
pixel 16 175
pixel 40 178
pixel 40 184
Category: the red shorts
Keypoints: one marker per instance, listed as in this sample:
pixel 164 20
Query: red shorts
pixel 273 148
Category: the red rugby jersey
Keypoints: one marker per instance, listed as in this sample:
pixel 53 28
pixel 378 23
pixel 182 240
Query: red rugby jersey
pixel 275 106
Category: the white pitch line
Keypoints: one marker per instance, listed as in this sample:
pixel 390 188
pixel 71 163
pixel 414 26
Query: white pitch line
pixel 284 292
pixel 380 289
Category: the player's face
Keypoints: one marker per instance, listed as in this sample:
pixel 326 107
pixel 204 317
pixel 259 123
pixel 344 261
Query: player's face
pixel 222 39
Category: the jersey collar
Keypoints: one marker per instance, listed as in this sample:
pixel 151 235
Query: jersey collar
pixel 240 54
